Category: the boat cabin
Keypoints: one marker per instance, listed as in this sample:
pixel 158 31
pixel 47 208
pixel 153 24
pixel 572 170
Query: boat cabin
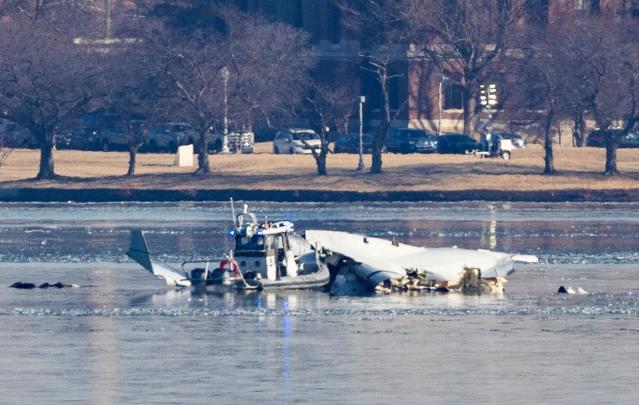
pixel 264 250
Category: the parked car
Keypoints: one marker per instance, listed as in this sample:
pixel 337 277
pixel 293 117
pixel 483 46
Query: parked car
pixel 243 142
pixel 457 143
pixel 517 141
pixel 597 138
pixel 410 140
pixel 115 137
pixel 349 143
pixel 108 139
pixel 630 141
pixel 167 136
pixel 74 138
pixel 498 146
pixel 296 141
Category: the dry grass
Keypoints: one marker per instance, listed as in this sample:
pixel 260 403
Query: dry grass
pixel 579 168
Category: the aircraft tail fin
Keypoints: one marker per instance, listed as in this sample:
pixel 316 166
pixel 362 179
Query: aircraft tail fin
pixel 139 252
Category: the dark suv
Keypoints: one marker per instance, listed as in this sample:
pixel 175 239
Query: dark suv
pixel 410 140
pixel 457 143
pixel 349 143
pixel 597 138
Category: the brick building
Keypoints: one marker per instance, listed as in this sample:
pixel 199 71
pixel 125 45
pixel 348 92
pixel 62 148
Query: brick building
pixel 419 86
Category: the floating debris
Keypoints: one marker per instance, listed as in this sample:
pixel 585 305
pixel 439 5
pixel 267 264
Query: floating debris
pixel 29 286
pixel 570 290
pixel 22 286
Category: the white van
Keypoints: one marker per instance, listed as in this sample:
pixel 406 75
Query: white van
pixel 295 140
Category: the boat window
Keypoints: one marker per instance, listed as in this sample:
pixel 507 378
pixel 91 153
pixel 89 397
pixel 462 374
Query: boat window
pixel 256 242
pixel 268 245
pixel 279 243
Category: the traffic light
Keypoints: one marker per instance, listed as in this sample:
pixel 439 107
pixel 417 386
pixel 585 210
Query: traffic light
pixel 488 95
pixel 483 95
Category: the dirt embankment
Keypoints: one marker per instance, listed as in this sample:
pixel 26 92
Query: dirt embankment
pixel 98 176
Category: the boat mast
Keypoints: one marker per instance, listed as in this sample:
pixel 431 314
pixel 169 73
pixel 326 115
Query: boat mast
pixel 233 213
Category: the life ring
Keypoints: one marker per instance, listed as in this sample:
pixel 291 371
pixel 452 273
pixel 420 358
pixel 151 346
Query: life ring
pixel 234 267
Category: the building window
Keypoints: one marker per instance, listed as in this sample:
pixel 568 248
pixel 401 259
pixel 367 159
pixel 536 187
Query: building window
pixel 588 6
pixel 537 11
pixel 336 24
pixel 634 8
pixel 453 96
pixel 393 92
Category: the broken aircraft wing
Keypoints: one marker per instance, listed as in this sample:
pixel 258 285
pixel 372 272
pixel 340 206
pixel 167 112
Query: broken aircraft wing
pixel 380 260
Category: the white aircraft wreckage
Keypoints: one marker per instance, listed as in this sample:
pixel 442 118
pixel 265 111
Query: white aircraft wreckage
pixel 267 255
pixel 388 266
pixel 270 255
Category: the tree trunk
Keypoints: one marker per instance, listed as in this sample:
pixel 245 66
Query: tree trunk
pixel 468 105
pixel 382 131
pixel 549 165
pixel 47 169
pixel 378 146
pixel 612 142
pixel 376 161
pixel 579 131
pixel 133 153
pixel 202 156
pixel 320 160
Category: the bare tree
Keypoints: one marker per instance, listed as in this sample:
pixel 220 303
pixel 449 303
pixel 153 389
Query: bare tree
pixel 379 64
pixel 267 63
pixel 462 37
pixel 270 65
pixel 333 104
pixel 600 77
pixel 193 67
pixel 619 97
pixel 137 85
pixel 539 76
pixel 45 79
pixel 379 25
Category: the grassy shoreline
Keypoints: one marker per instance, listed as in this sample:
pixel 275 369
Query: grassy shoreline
pixel 99 176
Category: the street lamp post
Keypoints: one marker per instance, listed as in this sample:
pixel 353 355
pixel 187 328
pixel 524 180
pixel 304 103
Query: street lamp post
pixel 360 164
pixel 440 104
pixel 225 138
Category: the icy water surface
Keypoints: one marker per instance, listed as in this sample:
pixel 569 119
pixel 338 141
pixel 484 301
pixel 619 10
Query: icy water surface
pixel 123 338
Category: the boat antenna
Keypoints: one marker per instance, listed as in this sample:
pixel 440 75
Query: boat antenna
pixel 233 213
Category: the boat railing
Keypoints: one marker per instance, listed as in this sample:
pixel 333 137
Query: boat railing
pixel 205 262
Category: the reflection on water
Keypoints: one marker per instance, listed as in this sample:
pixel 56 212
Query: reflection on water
pixel 103 343
pixel 123 337
pixel 131 340
pixel 560 233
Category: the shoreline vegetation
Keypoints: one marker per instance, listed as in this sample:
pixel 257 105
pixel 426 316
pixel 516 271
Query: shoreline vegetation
pixel 99 177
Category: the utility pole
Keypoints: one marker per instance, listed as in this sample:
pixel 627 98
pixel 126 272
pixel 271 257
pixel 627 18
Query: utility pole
pixel 225 139
pixel 440 104
pixel 488 100
pixel 360 165
pixel 108 24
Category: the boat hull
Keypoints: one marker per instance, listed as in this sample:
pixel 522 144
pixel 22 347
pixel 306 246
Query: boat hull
pixel 315 280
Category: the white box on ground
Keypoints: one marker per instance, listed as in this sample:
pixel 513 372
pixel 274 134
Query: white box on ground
pixel 184 156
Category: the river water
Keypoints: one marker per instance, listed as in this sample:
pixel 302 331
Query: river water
pixel 122 337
